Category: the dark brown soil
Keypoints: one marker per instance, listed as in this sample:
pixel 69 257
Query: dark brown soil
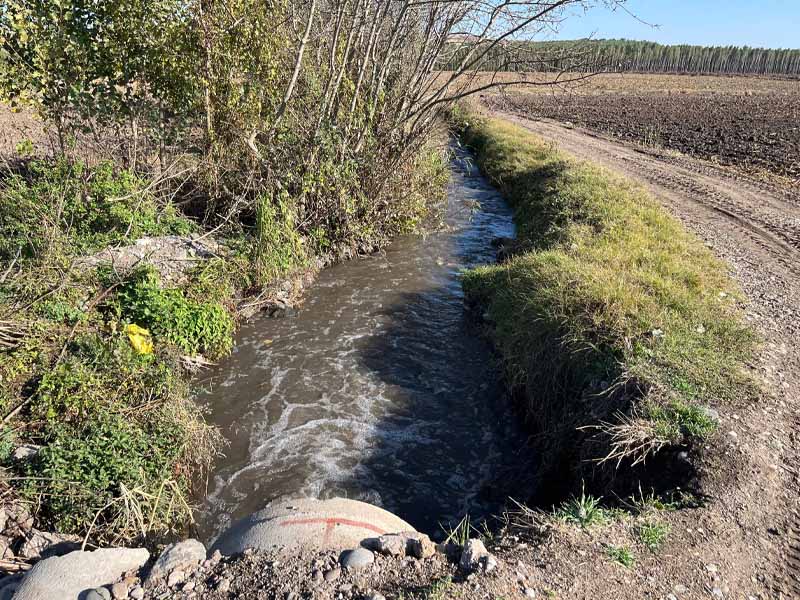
pixel 755 132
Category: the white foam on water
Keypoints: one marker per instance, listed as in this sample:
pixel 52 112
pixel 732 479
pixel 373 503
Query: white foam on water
pixel 374 390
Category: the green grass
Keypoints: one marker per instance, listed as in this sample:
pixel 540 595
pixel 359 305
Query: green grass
pixel 652 534
pixel 584 510
pixel 621 555
pixel 607 294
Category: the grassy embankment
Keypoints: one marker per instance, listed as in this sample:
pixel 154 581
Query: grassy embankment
pixel 620 327
pixel 109 407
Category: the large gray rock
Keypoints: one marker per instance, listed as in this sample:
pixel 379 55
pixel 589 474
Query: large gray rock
pixel 171 255
pixel 308 524
pixel 71 576
pixel 183 555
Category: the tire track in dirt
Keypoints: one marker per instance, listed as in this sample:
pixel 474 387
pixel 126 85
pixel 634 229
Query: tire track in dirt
pixel 755 227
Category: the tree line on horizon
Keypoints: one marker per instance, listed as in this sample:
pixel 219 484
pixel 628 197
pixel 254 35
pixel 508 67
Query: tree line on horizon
pixel 622 55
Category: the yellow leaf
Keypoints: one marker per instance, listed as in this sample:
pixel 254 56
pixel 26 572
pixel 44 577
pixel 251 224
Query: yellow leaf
pixel 140 339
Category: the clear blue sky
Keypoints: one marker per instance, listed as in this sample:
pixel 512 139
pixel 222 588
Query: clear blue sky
pixel 763 23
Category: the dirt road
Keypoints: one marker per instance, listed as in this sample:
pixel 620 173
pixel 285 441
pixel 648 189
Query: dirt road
pixel 755 227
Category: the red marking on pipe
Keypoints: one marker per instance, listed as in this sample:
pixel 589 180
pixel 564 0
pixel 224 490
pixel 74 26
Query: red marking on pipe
pixel 332 522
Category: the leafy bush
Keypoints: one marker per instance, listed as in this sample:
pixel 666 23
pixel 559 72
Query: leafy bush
pixel 7 443
pixel 120 438
pixel 60 311
pixel 88 465
pixel 76 209
pixel 193 326
pixel 277 248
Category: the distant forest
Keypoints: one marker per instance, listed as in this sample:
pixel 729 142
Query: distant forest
pixel 634 56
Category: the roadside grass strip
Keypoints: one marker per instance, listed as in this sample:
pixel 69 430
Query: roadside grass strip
pixel 607 300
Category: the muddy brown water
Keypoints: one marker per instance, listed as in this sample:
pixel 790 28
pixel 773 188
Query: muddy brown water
pixel 379 388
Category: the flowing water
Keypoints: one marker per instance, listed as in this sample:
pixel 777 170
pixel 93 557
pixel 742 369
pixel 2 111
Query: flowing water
pixel 379 388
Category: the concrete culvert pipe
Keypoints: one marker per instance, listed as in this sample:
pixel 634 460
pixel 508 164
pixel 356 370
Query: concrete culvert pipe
pixel 309 524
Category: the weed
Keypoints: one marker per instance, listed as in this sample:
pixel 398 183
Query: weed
pixel 460 534
pixel 193 326
pixel 61 311
pixel 7 443
pixel 277 247
pixel 652 534
pixel 676 420
pixel 439 588
pixel 584 511
pixel 621 555
pixel 646 503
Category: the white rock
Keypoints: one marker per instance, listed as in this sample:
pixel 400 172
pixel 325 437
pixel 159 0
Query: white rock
pixel 26 451
pixel 475 556
pixel 176 577
pixel 119 591
pixel 185 554
pixel 137 593
pixel 65 577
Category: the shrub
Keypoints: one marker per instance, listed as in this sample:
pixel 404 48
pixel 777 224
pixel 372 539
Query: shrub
pixel 7 443
pixel 120 438
pixel 69 207
pixel 277 247
pixel 89 465
pixel 193 326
